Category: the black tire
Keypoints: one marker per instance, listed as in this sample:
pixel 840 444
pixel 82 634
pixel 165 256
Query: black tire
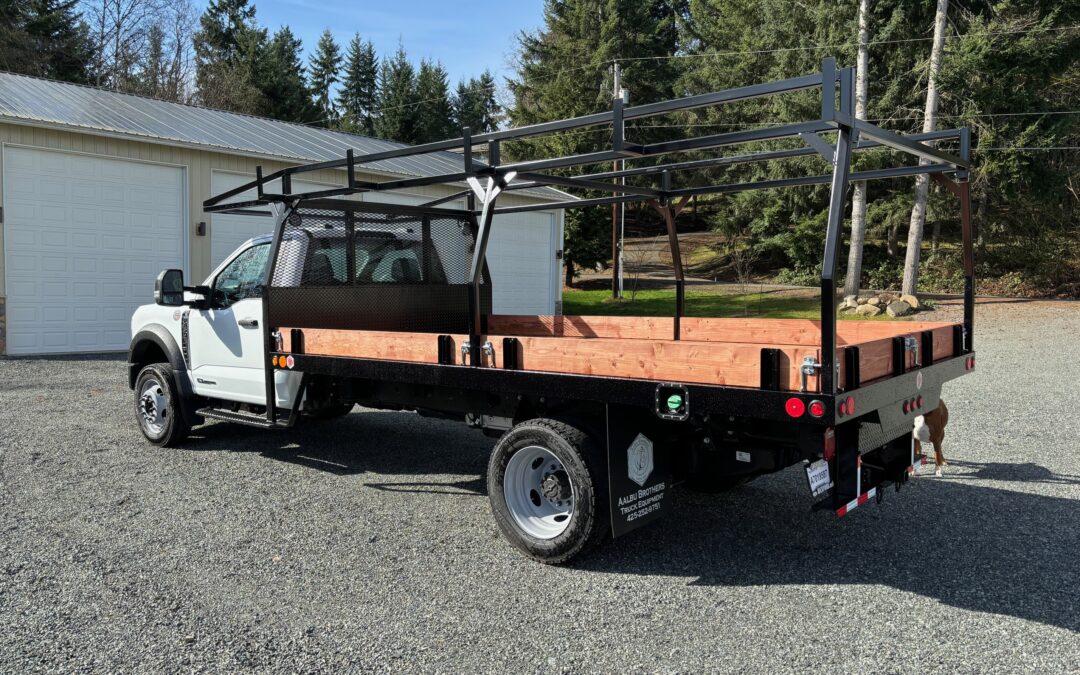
pixel 157 406
pixel 332 411
pixel 584 467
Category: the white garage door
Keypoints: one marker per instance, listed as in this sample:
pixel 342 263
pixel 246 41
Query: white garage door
pixel 227 230
pixel 521 257
pixel 84 238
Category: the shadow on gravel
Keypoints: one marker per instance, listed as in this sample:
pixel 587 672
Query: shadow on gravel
pixel 394 443
pixel 968 546
pixel 951 539
pixel 1017 473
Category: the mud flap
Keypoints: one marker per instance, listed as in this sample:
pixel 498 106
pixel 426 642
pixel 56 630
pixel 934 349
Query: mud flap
pixel 639 469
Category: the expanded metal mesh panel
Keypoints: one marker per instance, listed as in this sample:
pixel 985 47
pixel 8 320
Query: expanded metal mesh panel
pixel 375 270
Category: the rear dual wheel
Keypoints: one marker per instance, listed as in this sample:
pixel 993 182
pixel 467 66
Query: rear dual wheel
pixel 548 490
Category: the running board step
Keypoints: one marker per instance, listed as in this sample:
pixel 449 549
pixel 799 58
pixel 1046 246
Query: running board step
pixel 250 419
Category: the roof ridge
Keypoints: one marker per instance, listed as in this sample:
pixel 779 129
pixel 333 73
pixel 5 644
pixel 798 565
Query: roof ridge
pixel 198 106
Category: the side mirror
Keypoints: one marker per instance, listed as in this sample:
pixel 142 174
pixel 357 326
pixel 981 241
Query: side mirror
pixel 169 288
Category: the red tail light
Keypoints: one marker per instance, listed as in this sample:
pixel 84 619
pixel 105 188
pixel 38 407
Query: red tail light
pixel 816 408
pixel 849 405
pixel 795 407
pixel 830 445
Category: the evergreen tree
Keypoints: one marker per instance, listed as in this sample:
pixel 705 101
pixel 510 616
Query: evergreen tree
pixel 285 93
pixel 565 71
pixel 359 88
pixel 434 111
pixel 58 39
pixel 16 54
pixel 227 51
pixel 325 66
pixel 395 117
pixel 475 105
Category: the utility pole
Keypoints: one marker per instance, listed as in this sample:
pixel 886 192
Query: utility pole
pixel 616 239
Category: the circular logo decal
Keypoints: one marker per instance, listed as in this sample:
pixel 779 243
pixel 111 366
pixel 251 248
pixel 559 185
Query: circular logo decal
pixel 176 315
pixel 289 361
pixel 918 380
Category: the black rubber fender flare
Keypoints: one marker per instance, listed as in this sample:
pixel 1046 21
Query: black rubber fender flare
pixel 156 334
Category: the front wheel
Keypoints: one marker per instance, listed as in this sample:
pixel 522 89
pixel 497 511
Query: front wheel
pixel 548 490
pixel 157 406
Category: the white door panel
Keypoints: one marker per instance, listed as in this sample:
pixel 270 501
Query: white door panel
pixel 521 257
pixel 84 238
pixel 226 357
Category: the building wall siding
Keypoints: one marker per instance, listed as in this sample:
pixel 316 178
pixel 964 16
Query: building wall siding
pixel 198 165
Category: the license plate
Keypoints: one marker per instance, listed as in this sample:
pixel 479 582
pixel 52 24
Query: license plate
pixel 817 474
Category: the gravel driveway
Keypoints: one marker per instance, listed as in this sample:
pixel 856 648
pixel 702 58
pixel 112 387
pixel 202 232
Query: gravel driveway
pixel 366 544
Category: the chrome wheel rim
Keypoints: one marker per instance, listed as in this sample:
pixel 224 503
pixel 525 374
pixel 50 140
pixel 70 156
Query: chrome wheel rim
pixel 152 408
pixel 538 492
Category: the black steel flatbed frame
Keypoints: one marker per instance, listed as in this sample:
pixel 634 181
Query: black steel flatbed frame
pixel 837 116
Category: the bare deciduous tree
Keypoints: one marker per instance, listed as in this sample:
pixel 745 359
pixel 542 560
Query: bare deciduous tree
pixel 858 200
pixel 922 183
pixel 142 46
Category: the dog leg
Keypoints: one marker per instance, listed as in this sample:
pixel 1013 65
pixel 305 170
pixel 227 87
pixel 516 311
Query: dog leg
pixel 939 459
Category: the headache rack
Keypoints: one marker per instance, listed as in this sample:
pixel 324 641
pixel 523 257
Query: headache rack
pixel 409 283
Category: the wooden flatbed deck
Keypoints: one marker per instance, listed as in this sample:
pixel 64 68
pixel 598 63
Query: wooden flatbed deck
pixel 724 352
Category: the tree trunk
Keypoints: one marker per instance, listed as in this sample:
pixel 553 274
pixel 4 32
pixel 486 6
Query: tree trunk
pixel 568 266
pixel 858 201
pixel 922 182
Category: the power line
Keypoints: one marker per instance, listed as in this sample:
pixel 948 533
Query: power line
pixel 839 45
pixel 753 125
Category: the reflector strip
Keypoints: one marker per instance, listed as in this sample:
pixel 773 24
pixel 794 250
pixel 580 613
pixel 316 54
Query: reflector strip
pixel 856 503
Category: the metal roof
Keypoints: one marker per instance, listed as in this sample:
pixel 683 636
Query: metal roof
pixel 79 107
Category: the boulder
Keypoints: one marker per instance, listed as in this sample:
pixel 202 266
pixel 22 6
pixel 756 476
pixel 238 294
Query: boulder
pixel 911 300
pixel 898 308
pixel 863 300
pixel 868 310
pixel 849 302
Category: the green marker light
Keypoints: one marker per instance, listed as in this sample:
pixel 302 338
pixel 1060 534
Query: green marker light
pixel 674 402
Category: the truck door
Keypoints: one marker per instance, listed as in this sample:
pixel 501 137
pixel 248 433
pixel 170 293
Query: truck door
pixel 226 340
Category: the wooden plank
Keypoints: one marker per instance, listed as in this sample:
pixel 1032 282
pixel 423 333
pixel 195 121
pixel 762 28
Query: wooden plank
pixel 731 364
pixel 389 346
pixel 739 330
pixel 662 360
pixel 943 346
pixel 875 360
pixel 626 327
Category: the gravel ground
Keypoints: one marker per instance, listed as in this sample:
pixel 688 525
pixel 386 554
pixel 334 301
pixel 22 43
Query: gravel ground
pixel 366 544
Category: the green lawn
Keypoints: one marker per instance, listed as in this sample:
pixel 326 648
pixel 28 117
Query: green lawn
pixel 662 303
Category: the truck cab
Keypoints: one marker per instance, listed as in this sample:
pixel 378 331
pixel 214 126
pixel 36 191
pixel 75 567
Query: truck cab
pixel 199 346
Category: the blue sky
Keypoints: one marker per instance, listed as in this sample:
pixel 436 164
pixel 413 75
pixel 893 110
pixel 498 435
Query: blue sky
pixel 466 36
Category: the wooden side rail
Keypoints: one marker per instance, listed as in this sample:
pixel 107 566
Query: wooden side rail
pixel 731 363
pixel 742 330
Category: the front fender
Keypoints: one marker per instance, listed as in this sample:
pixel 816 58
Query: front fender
pixel 159 336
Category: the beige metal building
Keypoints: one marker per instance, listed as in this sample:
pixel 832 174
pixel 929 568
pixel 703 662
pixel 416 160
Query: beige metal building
pixel 99 191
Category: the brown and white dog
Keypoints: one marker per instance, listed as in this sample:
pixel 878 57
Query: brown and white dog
pixel 930 428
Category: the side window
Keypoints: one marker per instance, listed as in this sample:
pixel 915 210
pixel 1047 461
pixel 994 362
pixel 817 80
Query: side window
pixel 242 278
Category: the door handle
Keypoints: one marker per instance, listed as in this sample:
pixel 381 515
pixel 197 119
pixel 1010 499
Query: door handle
pixel 249 323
